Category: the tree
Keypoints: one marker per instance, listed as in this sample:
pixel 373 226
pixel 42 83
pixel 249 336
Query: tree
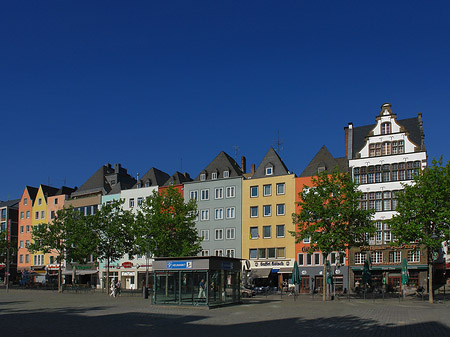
pixel 329 214
pixel 68 236
pixel 114 231
pixel 166 227
pixel 423 213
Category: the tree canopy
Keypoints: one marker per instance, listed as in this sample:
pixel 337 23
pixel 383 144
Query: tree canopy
pixel 165 225
pixel 423 211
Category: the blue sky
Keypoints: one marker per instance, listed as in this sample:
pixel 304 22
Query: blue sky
pixel 170 84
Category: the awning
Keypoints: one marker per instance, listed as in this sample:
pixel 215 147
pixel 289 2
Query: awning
pixel 80 272
pixel 285 270
pixel 261 273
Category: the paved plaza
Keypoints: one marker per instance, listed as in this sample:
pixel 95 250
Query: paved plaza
pixel 47 313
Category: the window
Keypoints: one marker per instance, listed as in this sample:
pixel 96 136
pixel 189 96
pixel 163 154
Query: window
pixel 395 256
pixel 267 210
pixel 280 231
pixel 253 191
pixel 42 214
pixel 269 171
pixel 230 233
pixel 139 200
pixel 56 201
pixel 230 252
pixel 413 256
pixel 205 252
pixel 226 174
pixel 218 234
pixel 254 211
pixel 193 195
pixel 28 214
pixel 300 259
pixel 21 258
pixel 316 259
pixel 147 184
pixel 386 149
pixel 28 228
pixel 36 215
pixel 262 253
pixel 25 201
pixel 252 253
pixel 218 213
pixel 307 240
pixel 387 236
pixel 359 258
pixel 27 243
pixel 204 233
pixel 231 191
pixel 204 214
pixel 281 252
pixel 139 185
pixel 376 257
pixel 231 212
pixel 40 201
pixel 203 177
pixel 205 194
pixel 21 244
pixel 385 128
pixel 131 202
pixel 27 258
pixel 309 259
pixel 218 193
pixel 254 233
pixel 38 260
pixel 52 214
pixel 280 209
pixel 22 215
pixel 214 176
pixel 281 188
pixel 21 229
pixel 267 190
pixel 267 232
pixel 113 182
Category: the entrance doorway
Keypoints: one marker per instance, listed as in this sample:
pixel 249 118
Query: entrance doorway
pixel 305 287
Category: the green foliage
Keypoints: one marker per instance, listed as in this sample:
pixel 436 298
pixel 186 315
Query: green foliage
pixel 424 208
pixel 330 215
pixel 6 245
pixel 165 225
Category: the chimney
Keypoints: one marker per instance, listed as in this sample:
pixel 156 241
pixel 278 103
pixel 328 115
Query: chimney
pixel 243 164
pixel 187 176
pixel 252 170
pixel 349 141
pixel 117 168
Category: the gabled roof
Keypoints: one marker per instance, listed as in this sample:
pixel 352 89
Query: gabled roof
pixel 324 159
pixel 154 177
pixel 49 191
pixel 178 178
pixel 271 159
pixel 10 203
pixel 32 192
pixel 223 162
pixel 64 190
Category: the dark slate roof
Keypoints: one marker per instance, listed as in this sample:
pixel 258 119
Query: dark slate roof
pixel 10 203
pixel 32 192
pixel 64 190
pixel 323 158
pixel 154 176
pixel 98 182
pixel 271 158
pixel 222 162
pixel 178 178
pixel 411 125
pixel 49 191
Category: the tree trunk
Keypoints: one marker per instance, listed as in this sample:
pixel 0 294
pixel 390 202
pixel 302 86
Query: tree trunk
pixel 59 276
pixel 324 283
pixel 107 276
pixel 430 278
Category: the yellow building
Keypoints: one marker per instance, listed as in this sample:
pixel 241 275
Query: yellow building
pixel 268 201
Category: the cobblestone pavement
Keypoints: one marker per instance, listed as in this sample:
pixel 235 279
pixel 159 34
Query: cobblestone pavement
pixel 47 313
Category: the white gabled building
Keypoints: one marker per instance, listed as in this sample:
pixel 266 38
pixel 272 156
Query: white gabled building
pixel 382 157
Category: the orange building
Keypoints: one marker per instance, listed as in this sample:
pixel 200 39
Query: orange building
pixel 25 227
pixel 311 265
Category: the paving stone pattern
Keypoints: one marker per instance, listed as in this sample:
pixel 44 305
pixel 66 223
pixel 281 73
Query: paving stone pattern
pixel 47 313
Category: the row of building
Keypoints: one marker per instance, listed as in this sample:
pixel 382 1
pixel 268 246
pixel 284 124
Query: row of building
pixel 247 214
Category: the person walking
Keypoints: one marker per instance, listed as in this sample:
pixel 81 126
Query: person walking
pixel 113 288
pixel 118 287
pixel 202 290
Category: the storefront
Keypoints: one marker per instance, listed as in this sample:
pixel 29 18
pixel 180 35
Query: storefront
pixel 269 273
pixel 312 279
pixel 204 281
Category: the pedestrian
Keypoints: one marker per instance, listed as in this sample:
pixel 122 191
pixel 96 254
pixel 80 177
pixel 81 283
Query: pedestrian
pixel 118 287
pixel 201 290
pixel 113 288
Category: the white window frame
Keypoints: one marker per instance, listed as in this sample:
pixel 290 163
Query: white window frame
pixel 131 202
pixel 254 188
pixel 204 233
pixel 214 176
pixel 267 207
pixel 269 170
pixel 226 174
pixel 270 230
pixel 218 252
pixel 230 252
pixel 284 209
pixel 231 192
pixel 202 176
pixel 284 231
pixel 230 212
pixel 284 188
pixel 204 194
pixel 218 234
pixel 204 214
pixel 269 192
pixel 257 211
pixel 218 193
pixel 218 213
pixel 230 233
pixel 193 195
pixel 205 252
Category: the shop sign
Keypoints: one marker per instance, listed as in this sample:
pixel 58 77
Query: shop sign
pixel 304 272
pixel 127 264
pixel 179 264
pixel 272 263
pixel 227 265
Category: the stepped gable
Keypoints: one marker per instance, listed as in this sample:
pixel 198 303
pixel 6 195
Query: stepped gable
pixel 223 162
pixel 178 178
pixel 153 177
pixel 271 159
pixel 324 161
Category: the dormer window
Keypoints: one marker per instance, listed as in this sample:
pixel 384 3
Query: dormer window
pixel 269 171
pixel 113 182
pixel 203 177
pixel 214 176
pixel 385 128
pixel 139 185
pixel 320 169
pixel 226 174
pixel 147 183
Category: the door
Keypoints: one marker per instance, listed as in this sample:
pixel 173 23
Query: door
pixel 305 284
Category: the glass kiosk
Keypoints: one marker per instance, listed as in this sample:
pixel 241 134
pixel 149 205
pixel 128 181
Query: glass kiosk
pixel 200 280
